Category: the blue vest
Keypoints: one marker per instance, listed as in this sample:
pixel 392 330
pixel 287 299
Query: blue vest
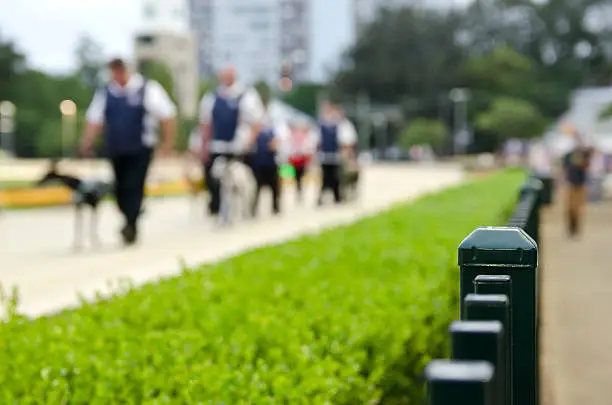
pixel 225 114
pixel 124 122
pixel 329 138
pixel 264 156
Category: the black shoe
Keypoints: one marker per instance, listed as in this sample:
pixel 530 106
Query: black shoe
pixel 128 233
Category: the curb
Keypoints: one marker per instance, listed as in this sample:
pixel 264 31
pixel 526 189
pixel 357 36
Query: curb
pixel 61 196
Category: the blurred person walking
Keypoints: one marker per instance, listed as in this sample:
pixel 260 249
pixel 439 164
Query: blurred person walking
pixel 129 110
pixel 265 158
pixel 576 166
pixel 337 135
pixel 301 146
pixel 230 120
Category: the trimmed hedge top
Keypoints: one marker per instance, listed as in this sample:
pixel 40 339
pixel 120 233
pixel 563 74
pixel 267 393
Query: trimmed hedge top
pixel 350 316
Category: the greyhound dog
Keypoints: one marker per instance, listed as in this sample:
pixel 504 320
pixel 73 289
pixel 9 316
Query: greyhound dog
pixel 349 177
pixel 238 189
pixel 84 194
pixel 194 182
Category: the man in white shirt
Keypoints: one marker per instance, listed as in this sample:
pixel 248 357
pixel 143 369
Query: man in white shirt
pixel 337 135
pixel 230 119
pixel 129 109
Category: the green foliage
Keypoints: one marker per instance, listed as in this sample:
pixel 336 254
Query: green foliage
pixel 90 61
pixel 606 113
pixel 511 118
pixel 161 73
pixel 424 131
pixel 264 90
pixel 350 316
pixel 206 86
pixel 303 97
pixel 501 71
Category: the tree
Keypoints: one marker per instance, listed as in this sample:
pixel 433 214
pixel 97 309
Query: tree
pixel 568 40
pixel 160 72
pixel 264 90
pixel 206 86
pixel 606 113
pixel 90 62
pixel 424 131
pixel 407 52
pixel 303 97
pixel 12 63
pixel 509 118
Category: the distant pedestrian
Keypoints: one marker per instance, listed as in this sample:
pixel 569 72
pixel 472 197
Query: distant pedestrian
pixel 230 119
pixel 129 109
pixel 301 146
pixel 337 135
pixel 576 166
pixel 264 161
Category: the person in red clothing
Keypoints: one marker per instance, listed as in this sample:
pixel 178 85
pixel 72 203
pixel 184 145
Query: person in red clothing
pixel 301 149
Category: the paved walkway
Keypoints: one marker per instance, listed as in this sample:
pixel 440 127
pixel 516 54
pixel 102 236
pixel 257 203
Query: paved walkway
pixel 577 310
pixel 35 252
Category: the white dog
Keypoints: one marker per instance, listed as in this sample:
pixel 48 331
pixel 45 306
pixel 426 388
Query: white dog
pixel 238 189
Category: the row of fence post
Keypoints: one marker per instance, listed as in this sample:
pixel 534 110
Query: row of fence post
pixel 494 345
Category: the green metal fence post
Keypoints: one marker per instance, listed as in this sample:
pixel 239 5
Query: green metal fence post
pixel 508 251
pixel 497 284
pixel 482 340
pixel 459 383
pixel 494 307
pixel 532 227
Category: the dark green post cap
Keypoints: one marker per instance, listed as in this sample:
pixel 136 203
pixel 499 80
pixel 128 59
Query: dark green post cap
pixel 459 370
pixel 497 245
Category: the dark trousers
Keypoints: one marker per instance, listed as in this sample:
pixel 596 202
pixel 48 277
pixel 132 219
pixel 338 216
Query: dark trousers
pixel 130 177
pixel 267 176
pixel 212 184
pixel 330 181
pixel 576 201
pixel 299 175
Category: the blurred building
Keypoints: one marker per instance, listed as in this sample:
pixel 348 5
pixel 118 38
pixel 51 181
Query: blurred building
pixel 257 36
pixel 167 38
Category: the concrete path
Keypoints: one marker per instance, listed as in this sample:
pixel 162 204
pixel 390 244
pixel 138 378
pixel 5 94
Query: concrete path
pixel 576 306
pixel 36 256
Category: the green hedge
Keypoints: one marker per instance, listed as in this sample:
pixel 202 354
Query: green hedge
pixel 350 316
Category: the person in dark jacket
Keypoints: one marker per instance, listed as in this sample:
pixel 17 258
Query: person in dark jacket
pixel 336 136
pixel 230 119
pixel 264 162
pixel 576 165
pixel 128 110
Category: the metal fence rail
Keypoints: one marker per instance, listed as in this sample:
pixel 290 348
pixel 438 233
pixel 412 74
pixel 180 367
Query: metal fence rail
pixel 494 347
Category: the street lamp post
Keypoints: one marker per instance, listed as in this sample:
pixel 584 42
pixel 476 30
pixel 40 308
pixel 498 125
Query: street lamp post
pixel 68 109
pixel 460 97
pixel 363 118
pixel 382 128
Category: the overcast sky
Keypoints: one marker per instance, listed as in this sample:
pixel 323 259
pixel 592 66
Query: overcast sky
pixel 48 30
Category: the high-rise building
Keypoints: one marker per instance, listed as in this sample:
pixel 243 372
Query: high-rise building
pixel 256 36
pixel 166 38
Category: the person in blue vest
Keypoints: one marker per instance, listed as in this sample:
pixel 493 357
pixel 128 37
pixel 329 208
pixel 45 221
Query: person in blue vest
pixel 264 160
pixel 128 111
pixel 230 119
pixel 336 135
